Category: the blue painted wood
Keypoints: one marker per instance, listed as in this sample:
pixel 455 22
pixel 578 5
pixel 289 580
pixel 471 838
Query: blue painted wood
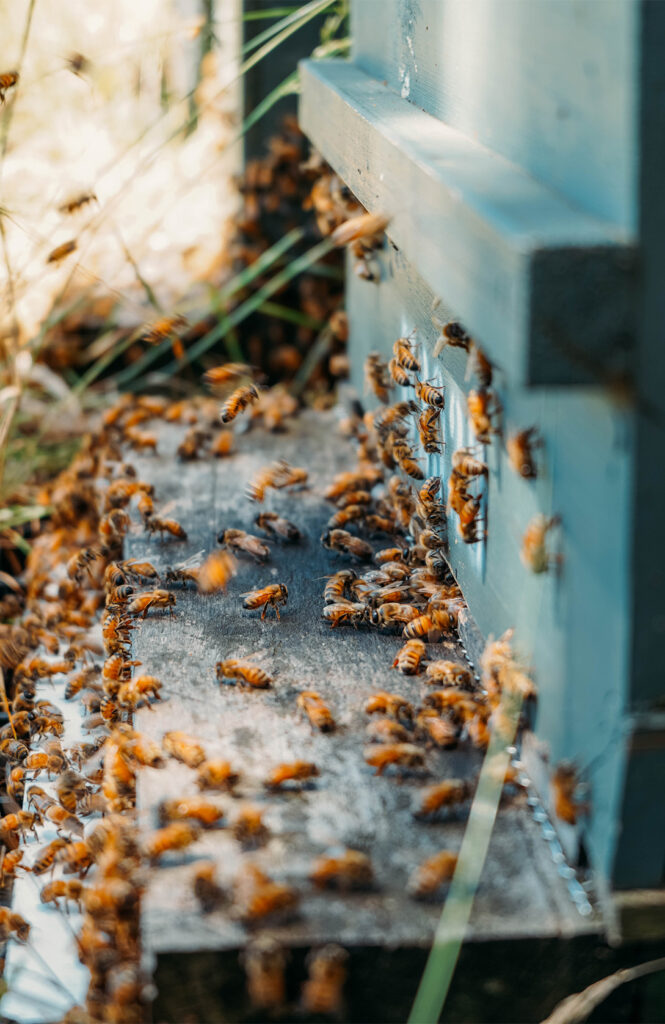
pixel 546 287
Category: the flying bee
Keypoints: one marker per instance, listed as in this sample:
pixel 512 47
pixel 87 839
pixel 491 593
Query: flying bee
pixel 344 872
pixel 428 877
pixel 482 406
pixel 293 772
pixel 76 856
pixel 452 334
pixel 80 681
pixel 393 414
pixel 272 596
pixel 241 398
pixel 245 543
pixel 152 599
pixel 389 704
pixel 351 613
pixel 80 563
pixel 8 80
pixel 61 889
pixel 316 710
pixel 403 756
pixel 207 890
pixel 409 658
pixel 520 452
pixel 216 572
pixel 61 251
pixel 564 785
pixel 77 202
pixel 183 748
pixel 182 574
pixel 164 327
pixel 216 774
pixel 322 992
pixel 219 377
pixel 399 374
pixel 448 794
pixel 277 527
pixel 534 553
pixel 246 671
pixel 191 808
pixel 377 378
pixel 177 836
pixel 161 526
pixel 341 540
pixel 449 673
pixel 264 960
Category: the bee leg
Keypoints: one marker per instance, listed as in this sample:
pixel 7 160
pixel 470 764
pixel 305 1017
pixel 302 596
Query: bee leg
pixel 277 612
pixel 263 613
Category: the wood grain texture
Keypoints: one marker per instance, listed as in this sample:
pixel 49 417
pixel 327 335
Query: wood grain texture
pixel 546 287
pixel 522 894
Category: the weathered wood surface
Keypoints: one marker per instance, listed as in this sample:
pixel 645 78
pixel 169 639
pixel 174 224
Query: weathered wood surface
pixel 522 894
pixel 546 287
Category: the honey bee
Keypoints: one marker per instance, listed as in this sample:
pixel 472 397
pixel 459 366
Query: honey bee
pixel 184 748
pixel 351 613
pixel 13 750
pixel 277 527
pixel 208 892
pixel 404 455
pixel 216 774
pixel 222 444
pixel 177 836
pixel 77 202
pixel 466 465
pixel 428 877
pixel 152 599
pixel 362 479
pixel 423 625
pixel 218 377
pixel 385 730
pixel 346 871
pixel 164 327
pixel 272 596
pixel 245 671
pixel 61 251
pixel 479 365
pixel 40 761
pixel 191 444
pixel 190 808
pixel 403 756
pixel 294 771
pixel 80 563
pixel 354 498
pixel 564 785
pixel 364 226
pixel 241 398
pixel 141 440
pixel 534 553
pixel 520 452
pixel 377 378
pixel 409 657
pixel 61 889
pixel 146 507
pixel 246 543
pixel 428 430
pixel 393 613
pixel 8 80
pixel 452 334
pixel 12 925
pixel 80 681
pixel 429 394
pixel 256 897
pixel 248 826
pixel 482 406
pixel 440 731
pixel 16 784
pixel 398 374
pixel 114 526
pixel 278 475
pixel 46 857
pixel 17 823
pixel 182 574
pixel 156 525
pixel 403 353
pixel 216 572
pixel 458 702
pixel 341 540
pixel 264 961
pixel 136 692
pixel 322 992
pixel 449 673
pixel 9 865
pixel 316 710
pixel 442 795
pixel 390 704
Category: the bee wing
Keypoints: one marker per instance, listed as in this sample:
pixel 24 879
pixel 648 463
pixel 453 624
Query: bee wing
pixel 189 563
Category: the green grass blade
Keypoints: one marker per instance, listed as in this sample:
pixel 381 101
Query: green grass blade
pixel 291 23
pixel 435 982
pixel 292 316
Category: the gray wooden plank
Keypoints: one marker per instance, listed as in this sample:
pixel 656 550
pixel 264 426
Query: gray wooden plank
pixel 522 893
pixel 546 287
